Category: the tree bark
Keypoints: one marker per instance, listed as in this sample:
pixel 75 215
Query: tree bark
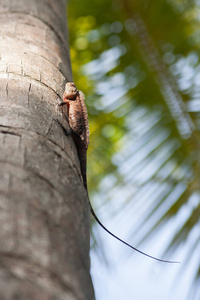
pixel 44 213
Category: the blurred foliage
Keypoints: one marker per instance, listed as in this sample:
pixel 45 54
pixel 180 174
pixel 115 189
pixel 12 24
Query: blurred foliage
pixel 138 64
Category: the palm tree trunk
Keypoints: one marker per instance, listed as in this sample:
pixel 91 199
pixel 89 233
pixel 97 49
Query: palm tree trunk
pixel 44 216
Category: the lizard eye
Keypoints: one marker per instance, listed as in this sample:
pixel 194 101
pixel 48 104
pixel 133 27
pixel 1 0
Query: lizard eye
pixel 70 84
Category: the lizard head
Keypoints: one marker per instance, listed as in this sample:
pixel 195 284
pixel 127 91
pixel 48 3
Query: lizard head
pixel 70 90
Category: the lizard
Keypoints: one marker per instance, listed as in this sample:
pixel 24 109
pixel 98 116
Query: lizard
pixel 78 122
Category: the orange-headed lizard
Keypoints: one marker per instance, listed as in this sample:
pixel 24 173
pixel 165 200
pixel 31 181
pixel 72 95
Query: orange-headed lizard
pixel 78 122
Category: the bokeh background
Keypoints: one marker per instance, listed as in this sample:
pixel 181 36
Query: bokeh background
pixel 138 63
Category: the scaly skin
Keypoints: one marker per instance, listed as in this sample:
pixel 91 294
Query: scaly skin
pixel 77 112
pixel 78 122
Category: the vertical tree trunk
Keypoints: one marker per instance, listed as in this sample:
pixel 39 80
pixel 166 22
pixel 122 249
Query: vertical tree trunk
pixel 44 216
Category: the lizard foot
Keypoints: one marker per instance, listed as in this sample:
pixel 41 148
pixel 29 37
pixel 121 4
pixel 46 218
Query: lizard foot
pixel 61 102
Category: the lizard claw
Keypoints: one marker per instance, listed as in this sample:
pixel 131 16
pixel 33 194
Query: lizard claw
pixel 60 102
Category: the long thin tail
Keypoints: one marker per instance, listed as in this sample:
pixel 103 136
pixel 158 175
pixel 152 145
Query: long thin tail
pixel 158 259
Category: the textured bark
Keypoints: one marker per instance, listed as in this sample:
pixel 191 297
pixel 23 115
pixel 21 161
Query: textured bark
pixel 44 213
